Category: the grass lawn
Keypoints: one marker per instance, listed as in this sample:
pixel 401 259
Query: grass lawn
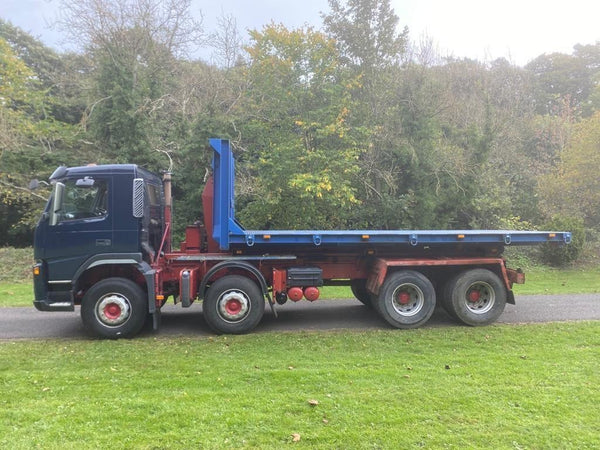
pixel 541 280
pixel 503 386
pixel 16 294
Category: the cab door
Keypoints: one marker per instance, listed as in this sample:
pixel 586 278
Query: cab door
pixel 80 226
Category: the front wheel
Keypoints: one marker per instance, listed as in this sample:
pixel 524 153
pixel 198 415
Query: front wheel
pixel 475 297
pixel 114 308
pixel 233 305
pixel 406 299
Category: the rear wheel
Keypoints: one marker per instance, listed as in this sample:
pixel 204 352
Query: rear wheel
pixel 446 297
pixel 114 308
pixel 475 297
pixel 406 299
pixel 359 289
pixel 233 305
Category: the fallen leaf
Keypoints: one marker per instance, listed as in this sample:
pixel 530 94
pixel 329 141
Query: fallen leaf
pixel 313 402
pixel 295 437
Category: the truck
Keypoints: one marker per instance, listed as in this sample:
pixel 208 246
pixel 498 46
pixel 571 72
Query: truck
pixel 104 243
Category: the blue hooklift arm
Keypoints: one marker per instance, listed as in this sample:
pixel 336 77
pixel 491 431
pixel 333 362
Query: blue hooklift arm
pixel 224 223
pixel 227 231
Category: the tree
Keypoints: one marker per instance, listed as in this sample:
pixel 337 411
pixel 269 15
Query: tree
pixel 304 154
pixel 590 55
pixel 29 139
pixel 366 33
pixel 227 42
pixel 134 46
pixel 560 78
pixel 572 189
pixel 488 117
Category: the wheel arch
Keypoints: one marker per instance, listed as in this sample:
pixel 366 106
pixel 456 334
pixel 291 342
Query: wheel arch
pixel 228 265
pixel 124 265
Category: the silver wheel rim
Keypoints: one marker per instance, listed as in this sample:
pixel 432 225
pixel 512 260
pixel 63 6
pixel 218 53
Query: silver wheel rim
pixel 233 306
pixel 113 310
pixel 408 299
pixel 480 297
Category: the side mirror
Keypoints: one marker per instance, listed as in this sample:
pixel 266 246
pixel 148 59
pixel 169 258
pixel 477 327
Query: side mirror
pixel 35 183
pixel 57 202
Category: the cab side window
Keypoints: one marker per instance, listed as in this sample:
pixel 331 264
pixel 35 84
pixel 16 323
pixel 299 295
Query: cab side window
pixel 84 198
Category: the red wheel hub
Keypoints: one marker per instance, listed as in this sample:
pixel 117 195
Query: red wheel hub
pixel 404 298
pixel 474 296
pixel 233 306
pixel 112 311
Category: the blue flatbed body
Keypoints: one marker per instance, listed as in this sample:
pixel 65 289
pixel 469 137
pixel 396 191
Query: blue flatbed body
pixel 229 233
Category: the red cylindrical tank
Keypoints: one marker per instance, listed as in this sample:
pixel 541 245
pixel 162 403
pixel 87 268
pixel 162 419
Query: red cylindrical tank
pixel 295 294
pixel 311 293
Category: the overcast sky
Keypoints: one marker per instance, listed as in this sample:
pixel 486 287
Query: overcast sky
pixel 518 30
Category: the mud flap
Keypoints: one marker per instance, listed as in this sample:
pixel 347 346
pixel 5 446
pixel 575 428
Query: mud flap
pixel 156 319
pixel 152 309
pixel 271 303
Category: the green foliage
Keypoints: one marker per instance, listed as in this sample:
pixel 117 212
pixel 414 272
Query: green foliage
pixel 30 138
pixel 573 187
pixel 366 33
pixel 560 78
pixel 563 255
pixel 128 83
pixel 309 161
pixel 350 127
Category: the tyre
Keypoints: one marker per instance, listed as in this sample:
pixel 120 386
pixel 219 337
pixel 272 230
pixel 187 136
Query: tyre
pixel 406 299
pixel 476 297
pixel 114 308
pixel 359 289
pixel 233 305
pixel 446 297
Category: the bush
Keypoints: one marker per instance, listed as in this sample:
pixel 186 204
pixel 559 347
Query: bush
pixel 562 255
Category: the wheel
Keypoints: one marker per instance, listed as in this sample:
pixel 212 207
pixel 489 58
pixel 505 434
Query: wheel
pixel 114 308
pixel 233 305
pixel 476 297
pixel 406 299
pixel 446 297
pixel 359 289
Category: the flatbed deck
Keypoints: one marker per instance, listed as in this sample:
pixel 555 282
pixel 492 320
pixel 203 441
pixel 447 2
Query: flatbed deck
pixel 228 232
pixel 394 237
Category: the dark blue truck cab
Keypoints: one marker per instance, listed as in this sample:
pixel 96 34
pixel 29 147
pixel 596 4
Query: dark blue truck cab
pixel 91 221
